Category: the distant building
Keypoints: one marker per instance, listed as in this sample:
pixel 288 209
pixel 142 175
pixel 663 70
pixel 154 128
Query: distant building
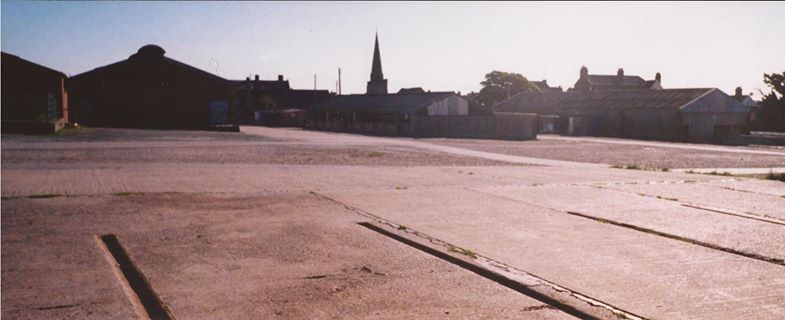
pixel 414 112
pixel 694 115
pixel 420 114
pixel 254 96
pixel 411 90
pixel 149 90
pixel 744 99
pixel 593 83
pixel 34 97
pixel 544 87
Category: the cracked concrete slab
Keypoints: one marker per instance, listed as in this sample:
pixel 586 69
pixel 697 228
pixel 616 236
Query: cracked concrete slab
pixel 241 226
pixel 752 203
pixel 626 268
pixel 658 214
pixel 219 256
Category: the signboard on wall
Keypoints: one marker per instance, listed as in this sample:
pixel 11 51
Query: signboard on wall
pixel 219 112
pixel 51 107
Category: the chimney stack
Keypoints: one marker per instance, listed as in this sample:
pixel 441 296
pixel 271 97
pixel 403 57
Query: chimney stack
pixel 280 77
pixel 620 73
pixel 256 78
pixel 738 92
pixel 658 77
pixel 584 72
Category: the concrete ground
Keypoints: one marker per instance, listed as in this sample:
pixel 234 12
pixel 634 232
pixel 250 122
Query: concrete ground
pixel 265 224
pixel 625 152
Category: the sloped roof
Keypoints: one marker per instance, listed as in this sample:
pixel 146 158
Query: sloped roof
pixel 613 81
pixel 144 55
pixel 8 59
pixel 381 103
pixel 411 90
pixel 262 84
pixel 688 100
pixel 544 86
pixel 540 84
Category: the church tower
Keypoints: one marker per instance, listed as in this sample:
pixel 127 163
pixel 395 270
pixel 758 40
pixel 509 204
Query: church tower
pixel 378 84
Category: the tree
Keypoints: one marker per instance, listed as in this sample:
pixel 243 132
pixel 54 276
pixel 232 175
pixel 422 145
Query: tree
pixel 499 85
pixel 771 112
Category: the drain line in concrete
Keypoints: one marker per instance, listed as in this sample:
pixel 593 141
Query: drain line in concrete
pixel 751 255
pixel 147 303
pixel 745 254
pixel 562 298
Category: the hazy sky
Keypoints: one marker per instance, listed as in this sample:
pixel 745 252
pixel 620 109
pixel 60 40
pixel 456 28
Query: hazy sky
pixel 438 46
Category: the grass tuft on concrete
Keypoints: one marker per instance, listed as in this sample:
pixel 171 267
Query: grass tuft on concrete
pixel 775 176
pixel 466 252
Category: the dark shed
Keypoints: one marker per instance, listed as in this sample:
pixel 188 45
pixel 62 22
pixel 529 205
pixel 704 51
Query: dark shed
pixel 34 97
pixel 149 90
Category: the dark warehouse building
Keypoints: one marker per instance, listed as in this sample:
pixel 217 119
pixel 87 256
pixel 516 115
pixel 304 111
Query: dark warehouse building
pixel 34 98
pixel 149 90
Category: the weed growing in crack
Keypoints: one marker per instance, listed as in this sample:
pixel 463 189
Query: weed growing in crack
pixel 466 252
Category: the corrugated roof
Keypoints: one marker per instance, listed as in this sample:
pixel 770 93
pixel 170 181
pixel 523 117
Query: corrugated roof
pixel 552 102
pixel 381 103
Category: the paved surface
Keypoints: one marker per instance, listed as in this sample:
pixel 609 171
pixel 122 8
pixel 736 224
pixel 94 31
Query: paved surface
pixel 226 226
pixel 621 152
pixel 688 146
pixel 736 171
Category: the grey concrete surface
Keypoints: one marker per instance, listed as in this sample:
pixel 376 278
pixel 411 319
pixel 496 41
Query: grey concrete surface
pixel 227 257
pixel 652 276
pixel 676 145
pixel 764 205
pixel 657 214
pixel 735 171
pixel 225 226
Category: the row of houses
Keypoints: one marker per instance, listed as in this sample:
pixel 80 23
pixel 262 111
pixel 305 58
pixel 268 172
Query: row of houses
pixel 151 90
pixel 631 107
pixel 597 105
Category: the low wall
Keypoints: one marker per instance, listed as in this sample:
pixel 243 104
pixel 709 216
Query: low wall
pixel 453 126
pixel 762 138
pixel 513 126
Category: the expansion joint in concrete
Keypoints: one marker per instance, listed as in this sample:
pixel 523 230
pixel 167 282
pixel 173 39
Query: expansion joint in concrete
pixel 557 296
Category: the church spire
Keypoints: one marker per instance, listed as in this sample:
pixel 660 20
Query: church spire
pixel 376 70
pixel 378 84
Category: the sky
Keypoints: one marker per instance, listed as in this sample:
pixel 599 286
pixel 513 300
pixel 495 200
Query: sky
pixel 440 46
